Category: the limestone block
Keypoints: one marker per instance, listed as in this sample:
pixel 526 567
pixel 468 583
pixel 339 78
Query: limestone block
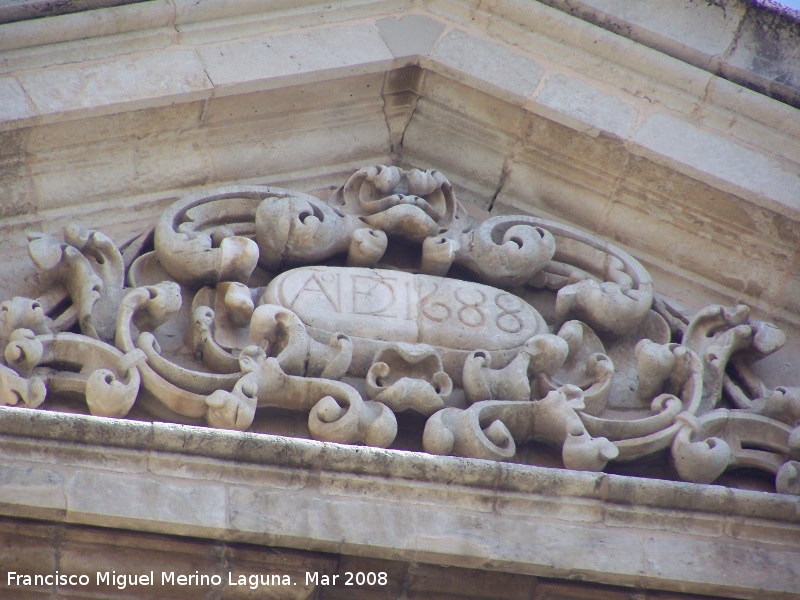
pixel 453 582
pixel 283 104
pixel 88 48
pixel 594 109
pixel 212 21
pixel 66 179
pixel 461 11
pixel 33 30
pixel 52 142
pixel 14 102
pixel 268 147
pixel 660 520
pixel 27 547
pixel 475 103
pixel 744 529
pixel 583 48
pixel 241 67
pixel 16 190
pixel 411 35
pixel 752 108
pixel 719 161
pixel 435 131
pixel 120 83
pixel 124 462
pixel 428 530
pixel 695 31
pixel 766 55
pixel 40 488
pixel 542 189
pixel 339 486
pixel 695 567
pixel 472 60
pixel 113 500
pixel 451 114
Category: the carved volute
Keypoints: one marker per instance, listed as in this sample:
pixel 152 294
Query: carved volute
pixel 253 303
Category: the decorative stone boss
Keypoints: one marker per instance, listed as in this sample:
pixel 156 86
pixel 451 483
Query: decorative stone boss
pixel 389 297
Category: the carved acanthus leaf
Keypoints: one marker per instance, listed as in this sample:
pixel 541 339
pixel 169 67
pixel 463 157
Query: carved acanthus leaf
pixel 232 320
pixel 491 429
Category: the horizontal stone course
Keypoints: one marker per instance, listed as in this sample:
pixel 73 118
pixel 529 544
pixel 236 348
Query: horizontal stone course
pixel 154 80
pixel 474 60
pixel 105 18
pixel 591 108
pixel 252 65
pixel 670 138
pixel 16 105
pixel 83 433
pixel 333 496
pixel 29 547
pixel 511 96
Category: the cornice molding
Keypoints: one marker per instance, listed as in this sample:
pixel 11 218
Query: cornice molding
pixel 254 488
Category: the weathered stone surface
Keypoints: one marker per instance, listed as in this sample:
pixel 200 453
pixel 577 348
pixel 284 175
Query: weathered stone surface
pixel 237 68
pixel 115 500
pixel 410 35
pixel 21 10
pixel 716 159
pixel 140 83
pixel 16 105
pixel 444 511
pixel 484 103
pixel 19 195
pixel 38 487
pixel 513 75
pixel 145 552
pixel 697 33
pixel 595 109
pixel 374 303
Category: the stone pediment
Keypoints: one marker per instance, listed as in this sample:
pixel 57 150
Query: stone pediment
pixel 525 108
pixel 639 149
pixel 389 298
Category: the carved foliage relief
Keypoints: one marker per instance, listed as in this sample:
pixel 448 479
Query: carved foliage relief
pixel 387 299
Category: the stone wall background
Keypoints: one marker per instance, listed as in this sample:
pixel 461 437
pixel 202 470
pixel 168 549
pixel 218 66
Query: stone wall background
pixel 671 130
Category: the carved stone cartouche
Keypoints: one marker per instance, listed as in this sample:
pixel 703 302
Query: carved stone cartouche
pixel 418 307
pixel 375 307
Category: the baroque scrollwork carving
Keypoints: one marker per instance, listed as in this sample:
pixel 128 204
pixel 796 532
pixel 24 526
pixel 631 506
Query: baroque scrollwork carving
pixel 249 303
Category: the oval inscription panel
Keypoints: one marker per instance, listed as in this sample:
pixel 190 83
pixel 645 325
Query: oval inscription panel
pixel 403 307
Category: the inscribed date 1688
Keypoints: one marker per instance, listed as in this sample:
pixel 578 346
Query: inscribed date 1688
pixel 402 307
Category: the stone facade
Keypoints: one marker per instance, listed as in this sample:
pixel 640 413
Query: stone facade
pixel 557 241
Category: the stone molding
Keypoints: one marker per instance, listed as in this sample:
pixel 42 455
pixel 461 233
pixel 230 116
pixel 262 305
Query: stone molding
pixel 255 488
pixel 550 114
pixel 516 30
pixel 722 39
pixel 726 39
pixel 390 298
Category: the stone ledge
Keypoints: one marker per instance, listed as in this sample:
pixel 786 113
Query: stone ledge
pixel 105 19
pixel 32 547
pixel 244 447
pixel 514 72
pixel 254 488
pixel 300 58
pixel 752 43
pixel 23 10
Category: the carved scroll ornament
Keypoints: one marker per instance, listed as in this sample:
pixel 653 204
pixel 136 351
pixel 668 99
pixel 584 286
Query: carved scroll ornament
pixel 389 298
